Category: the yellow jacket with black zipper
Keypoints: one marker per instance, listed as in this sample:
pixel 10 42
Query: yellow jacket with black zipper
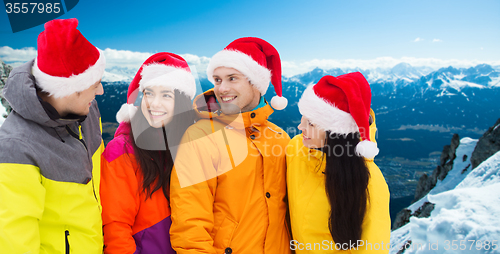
pixel 228 186
pixel 49 175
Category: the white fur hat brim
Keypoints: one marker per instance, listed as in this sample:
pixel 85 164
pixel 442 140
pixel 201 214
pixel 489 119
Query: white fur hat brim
pixel 257 74
pixel 64 86
pixel 169 77
pixel 330 118
pixel 325 115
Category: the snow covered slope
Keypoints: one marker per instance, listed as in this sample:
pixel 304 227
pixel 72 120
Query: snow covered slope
pixel 3 112
pixel 465 218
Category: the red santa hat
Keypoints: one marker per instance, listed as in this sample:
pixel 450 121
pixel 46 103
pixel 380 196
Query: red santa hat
pixel 161 69
pixel 258 60
pixel 341 105
pixel 66 62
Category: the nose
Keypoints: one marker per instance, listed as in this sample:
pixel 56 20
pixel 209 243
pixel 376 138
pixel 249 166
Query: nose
pixel 224 87
pixel 155 102
pixel 100 89
pixel 301 125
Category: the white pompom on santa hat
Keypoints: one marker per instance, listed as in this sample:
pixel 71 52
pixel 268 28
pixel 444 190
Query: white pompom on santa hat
pixel 341 105
pixel 161 69
pixel 258 60
pixel 66 62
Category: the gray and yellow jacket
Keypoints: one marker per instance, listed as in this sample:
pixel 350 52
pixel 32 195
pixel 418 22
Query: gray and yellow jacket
pixel 49 175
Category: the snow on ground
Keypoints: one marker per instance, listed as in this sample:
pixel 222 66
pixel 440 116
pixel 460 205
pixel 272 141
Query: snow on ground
pixel 3 112
pixel 465 219
pixel 399 238
pixel 487 173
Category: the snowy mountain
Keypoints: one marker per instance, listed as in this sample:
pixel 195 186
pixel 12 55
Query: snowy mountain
pixel 401 73
pixel 119 74
pixel 413 117
pixel 461 212
pixel 415 113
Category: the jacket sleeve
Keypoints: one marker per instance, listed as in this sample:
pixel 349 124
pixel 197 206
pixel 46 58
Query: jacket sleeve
pixel 192 191
pixel 377 222
pixel 119 198
pixel 22 198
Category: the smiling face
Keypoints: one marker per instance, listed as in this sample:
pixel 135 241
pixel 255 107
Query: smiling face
pixel 234 92
pixel 313 136
pixel 158 105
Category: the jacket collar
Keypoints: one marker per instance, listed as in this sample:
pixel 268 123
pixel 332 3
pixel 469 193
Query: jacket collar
pixel 314 157
pixel 54 115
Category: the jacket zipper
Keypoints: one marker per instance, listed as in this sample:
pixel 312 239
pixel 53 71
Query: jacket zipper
pixel 82 140
pixel 73 134
pixel 66 234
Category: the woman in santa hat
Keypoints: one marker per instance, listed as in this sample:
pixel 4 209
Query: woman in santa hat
pixel 137 163
pixel 338 198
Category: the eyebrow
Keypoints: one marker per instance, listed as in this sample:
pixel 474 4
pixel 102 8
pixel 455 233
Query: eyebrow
pixel 229 75
pixel 163 91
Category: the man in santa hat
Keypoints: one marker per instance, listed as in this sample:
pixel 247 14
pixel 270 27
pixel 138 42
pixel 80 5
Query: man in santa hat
pixel 228 188
pixel 50 148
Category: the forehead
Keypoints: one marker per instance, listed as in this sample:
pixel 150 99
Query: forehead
pixel 159 89
pixel 226 71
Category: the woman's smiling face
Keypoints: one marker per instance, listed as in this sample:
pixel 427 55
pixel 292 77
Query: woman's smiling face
pixel 313 136
pixel 158 105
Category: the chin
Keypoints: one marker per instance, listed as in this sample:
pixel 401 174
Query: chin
pixel 230 109
pixel 309 144
pixel 155 124
pixel 82 113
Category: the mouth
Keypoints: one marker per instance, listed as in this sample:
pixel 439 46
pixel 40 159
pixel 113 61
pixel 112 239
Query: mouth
pixel 227 99
pixel 156 114
pixel 305 137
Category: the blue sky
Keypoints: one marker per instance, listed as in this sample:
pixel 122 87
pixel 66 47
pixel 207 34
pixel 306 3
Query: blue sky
pixel 439 29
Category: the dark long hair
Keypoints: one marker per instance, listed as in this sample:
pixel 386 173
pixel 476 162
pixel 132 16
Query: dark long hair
pixel 155 148
pixel 346 182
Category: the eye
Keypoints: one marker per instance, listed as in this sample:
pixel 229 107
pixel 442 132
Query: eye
pixel 232 78
pixel 217 80
pixel 310 124
pixel 167 95
pixel 148 94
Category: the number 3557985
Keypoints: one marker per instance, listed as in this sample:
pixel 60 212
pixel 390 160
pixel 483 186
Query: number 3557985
pixel 33 8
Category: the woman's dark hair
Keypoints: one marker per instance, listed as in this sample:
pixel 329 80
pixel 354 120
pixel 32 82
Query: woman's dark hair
pixel 155 148
pixel 346 182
